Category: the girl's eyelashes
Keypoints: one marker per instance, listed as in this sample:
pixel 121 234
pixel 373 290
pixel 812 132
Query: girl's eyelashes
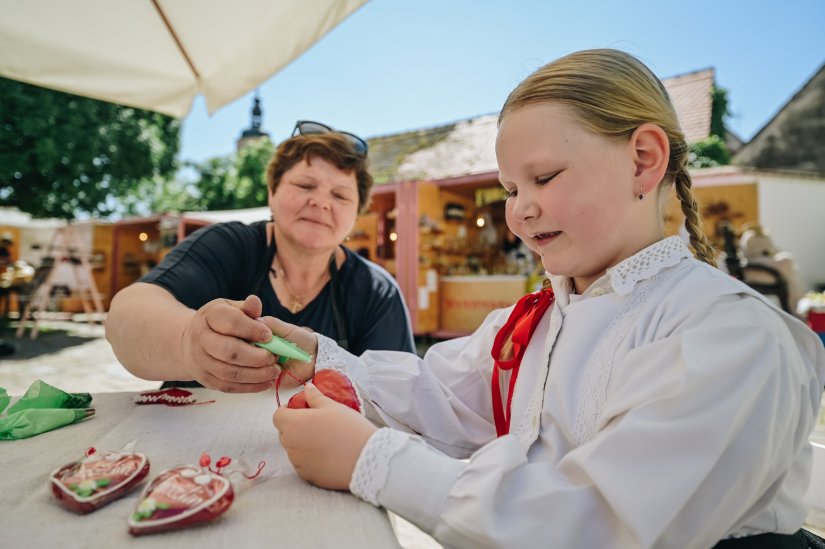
pixel 541 180
pixel 546 179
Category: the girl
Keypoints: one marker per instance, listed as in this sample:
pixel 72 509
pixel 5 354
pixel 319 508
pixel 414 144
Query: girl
pixel 646 400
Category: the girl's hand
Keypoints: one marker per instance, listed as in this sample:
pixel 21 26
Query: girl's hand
pixel 217 352
pixel 323 442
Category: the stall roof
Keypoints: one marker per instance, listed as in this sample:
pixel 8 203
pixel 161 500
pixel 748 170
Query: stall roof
pixel 467 147
pixel 12 217
pixel 246 215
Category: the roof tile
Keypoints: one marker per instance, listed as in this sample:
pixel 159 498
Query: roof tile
pixel 467 147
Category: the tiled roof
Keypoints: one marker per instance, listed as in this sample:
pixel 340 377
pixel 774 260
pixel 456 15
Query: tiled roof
pixel 793 138
pixel 691 96
pixel 467 147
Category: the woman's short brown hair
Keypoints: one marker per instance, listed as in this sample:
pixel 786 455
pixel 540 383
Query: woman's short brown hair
pixel 333 148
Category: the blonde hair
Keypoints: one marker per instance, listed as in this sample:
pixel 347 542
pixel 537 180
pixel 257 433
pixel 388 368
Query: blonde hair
pixel 613 93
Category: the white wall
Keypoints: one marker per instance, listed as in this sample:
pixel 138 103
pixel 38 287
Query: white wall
pixel 793 210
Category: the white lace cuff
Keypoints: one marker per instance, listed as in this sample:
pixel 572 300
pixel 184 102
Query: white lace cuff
pixel 373 465
pixel 331 356
pixel 327 352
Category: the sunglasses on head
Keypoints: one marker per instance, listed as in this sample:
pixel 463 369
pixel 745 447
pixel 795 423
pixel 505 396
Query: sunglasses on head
pixel 307 127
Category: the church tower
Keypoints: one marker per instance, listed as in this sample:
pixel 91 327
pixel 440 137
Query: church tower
pixel 253 133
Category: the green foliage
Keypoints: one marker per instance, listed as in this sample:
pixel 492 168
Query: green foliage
pixel 159 195
pixel 233 182
pixel 708 153
pixel 713 151
pixel 62 155
pixel 719 112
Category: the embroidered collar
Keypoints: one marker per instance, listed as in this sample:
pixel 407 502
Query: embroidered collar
pixel 624 276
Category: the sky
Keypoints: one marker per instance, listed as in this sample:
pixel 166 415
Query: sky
pixel 398 65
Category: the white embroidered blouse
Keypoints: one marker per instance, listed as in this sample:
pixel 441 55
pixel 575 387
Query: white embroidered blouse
pixel 667 406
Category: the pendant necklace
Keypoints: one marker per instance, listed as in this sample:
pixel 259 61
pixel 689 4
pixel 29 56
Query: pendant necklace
pixel 296 302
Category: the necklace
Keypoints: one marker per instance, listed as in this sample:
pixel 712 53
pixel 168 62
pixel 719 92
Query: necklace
pixel 296 302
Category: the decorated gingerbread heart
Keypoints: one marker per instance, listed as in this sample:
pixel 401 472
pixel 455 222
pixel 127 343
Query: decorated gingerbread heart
pixel 180 497
pixel 97 479
pixel 333 384
pixel 172 396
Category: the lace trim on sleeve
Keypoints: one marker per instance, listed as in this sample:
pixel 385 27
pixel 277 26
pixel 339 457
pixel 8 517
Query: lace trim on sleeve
pixel 373 465
pixel 327 354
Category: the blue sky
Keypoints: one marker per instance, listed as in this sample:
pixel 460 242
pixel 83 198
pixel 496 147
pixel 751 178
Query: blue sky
pixel 397 65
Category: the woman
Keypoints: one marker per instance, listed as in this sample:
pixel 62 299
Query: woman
pixel 191 317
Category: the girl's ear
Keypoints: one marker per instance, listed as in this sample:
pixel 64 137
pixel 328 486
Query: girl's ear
pixel 651 154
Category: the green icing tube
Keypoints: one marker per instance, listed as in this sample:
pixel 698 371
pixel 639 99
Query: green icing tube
pixel 33 421
pixel 286 350
pixel 42 395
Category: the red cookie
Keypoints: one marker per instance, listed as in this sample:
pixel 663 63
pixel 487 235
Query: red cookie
pixel 172 396
pixel 181 497
pixel 333 384
pixel 97 479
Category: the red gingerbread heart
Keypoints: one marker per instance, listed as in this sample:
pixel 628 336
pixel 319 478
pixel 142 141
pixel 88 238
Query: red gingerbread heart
pixel 180 497
pixel 333 384
pixel 97 479
pixel 172 396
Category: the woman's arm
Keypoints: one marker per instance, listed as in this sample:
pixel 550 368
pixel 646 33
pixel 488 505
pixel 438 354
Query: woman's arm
pixel 156 337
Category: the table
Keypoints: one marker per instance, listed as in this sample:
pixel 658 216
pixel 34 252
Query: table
pixel 279 510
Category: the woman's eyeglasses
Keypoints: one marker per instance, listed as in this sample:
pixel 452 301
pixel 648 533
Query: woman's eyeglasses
pixel 307 127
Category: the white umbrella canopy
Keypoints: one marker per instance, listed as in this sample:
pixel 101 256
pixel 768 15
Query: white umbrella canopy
pixel 159 54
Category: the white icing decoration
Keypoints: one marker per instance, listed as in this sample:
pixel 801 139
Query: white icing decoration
pixel 203 480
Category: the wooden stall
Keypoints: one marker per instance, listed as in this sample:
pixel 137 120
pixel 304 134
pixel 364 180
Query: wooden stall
pixel 138 244
pixel 62 253
pixel 731 202
pixel 467 300
pixel 443 241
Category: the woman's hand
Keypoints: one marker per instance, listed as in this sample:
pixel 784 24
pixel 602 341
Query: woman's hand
pixel 217 351
pixel 323 442
pixel 303 338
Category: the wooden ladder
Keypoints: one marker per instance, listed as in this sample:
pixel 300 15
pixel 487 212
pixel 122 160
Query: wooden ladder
pixel 65 246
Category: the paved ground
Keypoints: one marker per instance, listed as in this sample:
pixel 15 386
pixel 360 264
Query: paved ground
pixel 75 357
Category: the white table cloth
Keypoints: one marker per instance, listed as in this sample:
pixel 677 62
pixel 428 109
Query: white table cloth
pixel 278 510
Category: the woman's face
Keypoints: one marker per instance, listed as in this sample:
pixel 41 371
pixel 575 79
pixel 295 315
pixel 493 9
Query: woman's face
pixel 315 205
pixel 571 196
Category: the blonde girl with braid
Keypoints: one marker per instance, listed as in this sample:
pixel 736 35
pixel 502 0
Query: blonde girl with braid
pixel 644 399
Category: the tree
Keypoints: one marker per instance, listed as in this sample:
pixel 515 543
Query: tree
pixel 232 182
pixel 712 151
pixel 708 153
pixel 62 155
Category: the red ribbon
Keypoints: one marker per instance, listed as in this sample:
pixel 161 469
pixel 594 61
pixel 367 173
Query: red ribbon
pixel 518 329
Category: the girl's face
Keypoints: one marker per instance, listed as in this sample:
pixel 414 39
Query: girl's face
pixel 315 205
pixel 571 192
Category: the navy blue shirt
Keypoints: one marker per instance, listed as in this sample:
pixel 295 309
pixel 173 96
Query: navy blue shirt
pixel 232 260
